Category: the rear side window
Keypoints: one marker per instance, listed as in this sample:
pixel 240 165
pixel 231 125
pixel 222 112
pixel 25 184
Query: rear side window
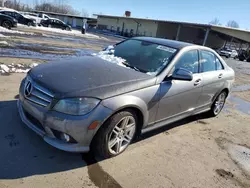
pixel 8 13
pixel 219 65
pixel 207 61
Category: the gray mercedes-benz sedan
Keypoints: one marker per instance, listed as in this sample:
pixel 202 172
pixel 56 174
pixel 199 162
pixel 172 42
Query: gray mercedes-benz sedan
pixel 91 103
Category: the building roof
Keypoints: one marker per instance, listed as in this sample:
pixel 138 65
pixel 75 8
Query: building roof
pixel 165 42
pixel 154 20
pixel 60 14
pixel 243 35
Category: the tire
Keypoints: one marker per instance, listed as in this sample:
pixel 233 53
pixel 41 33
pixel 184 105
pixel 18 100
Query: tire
pixel 7 24
pixel 29 24
pixel 49 26
pixel 113 137
pixel 241 58
pixel 67 29
pixel 218 104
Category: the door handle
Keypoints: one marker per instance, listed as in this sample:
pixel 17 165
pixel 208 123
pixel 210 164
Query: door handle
pixel 220 75
pixel 197 82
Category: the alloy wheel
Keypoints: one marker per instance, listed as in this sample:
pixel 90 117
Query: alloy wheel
pixel 121 135
pixel 219 103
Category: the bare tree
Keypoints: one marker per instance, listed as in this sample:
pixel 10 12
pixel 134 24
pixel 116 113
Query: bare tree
pixel 58 7
pixel 17 5
pixel 215 21
pixel 84 13
pixel 233 24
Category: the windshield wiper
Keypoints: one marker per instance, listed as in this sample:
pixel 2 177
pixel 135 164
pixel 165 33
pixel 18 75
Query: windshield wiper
pixel 133 67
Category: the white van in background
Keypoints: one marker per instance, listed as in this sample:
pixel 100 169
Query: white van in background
pixel 38 17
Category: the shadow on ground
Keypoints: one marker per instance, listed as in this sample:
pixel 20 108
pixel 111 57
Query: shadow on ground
pixel 25 154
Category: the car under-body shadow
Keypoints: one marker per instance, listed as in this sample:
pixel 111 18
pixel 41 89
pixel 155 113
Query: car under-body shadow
pixel 24 154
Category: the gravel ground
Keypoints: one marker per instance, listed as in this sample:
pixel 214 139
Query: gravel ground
pixel 195 152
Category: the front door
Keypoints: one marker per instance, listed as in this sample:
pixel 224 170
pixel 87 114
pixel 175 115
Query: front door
pixel 179 98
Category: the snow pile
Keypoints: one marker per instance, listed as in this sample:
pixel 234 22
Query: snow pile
pixel 108 55
pixel 16 68
pixel 111 58
pixel 4 30
pixel 55 30
pixel 4 43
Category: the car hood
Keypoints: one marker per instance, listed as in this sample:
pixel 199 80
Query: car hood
pixel 89 77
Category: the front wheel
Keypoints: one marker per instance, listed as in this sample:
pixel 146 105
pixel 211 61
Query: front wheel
pixel 29 24
pixel 116 134
pixel 218 104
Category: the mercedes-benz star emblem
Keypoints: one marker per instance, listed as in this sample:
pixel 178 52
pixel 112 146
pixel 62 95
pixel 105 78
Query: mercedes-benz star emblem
pixel 28 89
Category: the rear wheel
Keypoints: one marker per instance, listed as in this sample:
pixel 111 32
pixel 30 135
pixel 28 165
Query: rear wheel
pixel 116 134
pixel 7 24
pixel 218 104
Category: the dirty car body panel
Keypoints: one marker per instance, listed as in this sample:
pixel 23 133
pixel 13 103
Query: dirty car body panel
pixel 160 99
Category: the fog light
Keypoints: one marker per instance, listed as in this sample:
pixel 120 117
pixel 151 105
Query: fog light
pixel 65 137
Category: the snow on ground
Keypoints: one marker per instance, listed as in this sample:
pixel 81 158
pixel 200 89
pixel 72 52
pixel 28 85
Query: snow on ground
pixel 2 36
pixel 54 30
pixel 4 30
pixel 18 68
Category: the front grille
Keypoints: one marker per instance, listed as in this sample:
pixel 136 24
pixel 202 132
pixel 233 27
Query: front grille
pixel 33 120
pixel 37 94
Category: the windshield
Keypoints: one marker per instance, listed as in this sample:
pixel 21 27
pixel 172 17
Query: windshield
pixel 144 56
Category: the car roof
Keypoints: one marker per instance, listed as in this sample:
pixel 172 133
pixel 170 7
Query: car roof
pixel 9 10
pixel 165 42
pixel 6 16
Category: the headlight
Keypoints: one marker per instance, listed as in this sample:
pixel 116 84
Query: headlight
pixel 76 106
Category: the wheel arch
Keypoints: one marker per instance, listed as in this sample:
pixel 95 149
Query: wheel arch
pixel 217 94
pixel 138 112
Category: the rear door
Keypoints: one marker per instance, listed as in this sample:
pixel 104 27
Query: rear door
pixel 212 76
pixel 178 97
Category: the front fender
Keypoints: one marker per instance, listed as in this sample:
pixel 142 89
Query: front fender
pixel 127 101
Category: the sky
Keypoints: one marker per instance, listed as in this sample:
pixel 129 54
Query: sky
pixel 197 11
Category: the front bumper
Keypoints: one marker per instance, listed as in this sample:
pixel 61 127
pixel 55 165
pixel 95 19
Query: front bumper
pixel 48 121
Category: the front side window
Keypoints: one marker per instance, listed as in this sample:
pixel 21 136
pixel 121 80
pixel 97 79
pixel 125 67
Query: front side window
pixel 189 61
pixel 17 16
pixel 207 61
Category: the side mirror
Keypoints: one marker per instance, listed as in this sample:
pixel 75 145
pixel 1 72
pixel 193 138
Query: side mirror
pixel 182 74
